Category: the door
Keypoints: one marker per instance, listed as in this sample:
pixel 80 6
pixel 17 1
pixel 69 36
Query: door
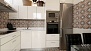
pixel 62 38
pixel 25 39
pixel 38 39
pixel 41 13
pixel 23 12
pixel 31 12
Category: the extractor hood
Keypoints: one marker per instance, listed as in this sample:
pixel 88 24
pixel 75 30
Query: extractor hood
pixel 4 6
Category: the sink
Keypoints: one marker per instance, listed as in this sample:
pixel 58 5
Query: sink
pixel 26 29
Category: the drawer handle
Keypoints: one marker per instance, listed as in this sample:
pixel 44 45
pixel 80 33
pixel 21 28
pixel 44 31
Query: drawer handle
pixel 13 41
pixel 14 36
pixel 52 42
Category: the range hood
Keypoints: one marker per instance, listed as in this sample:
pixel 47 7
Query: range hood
pixel 4 6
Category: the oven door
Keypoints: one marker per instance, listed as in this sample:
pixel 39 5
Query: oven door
pixel 52 28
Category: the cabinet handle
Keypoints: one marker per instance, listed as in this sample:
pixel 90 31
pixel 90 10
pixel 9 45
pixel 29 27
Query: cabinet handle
pixel 14 36
pixel 13 41
pixel 52 42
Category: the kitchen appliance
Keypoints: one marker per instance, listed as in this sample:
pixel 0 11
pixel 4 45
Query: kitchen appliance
pixel 52 16
pixel 4 6
pixel 52 22
pixel 52 28
pixel 66 20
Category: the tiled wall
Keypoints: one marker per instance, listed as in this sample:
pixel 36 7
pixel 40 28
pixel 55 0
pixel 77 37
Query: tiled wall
pixel 30 23
pixel 82 15
pixel 3 19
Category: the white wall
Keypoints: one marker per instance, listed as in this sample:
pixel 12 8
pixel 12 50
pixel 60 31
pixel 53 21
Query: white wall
pixel 78 30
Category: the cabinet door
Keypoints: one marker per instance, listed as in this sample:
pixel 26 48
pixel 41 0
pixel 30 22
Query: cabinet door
pixel 41 13
pixel 14 15
pixel 68 1
pixel 77 1
pixel 17 2
pixel 25 39
pixel 52 5
pixel 6 47
pixel 31 12
pixel 8 1
pixel 38 39
pixel 22 12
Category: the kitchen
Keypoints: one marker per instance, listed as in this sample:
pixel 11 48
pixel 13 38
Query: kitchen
pixel 33 28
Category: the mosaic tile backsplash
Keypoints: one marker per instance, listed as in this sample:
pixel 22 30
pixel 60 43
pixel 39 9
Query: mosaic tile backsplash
pixel 4 16
pixel 82 15
pixel 27 23
pixel 19 23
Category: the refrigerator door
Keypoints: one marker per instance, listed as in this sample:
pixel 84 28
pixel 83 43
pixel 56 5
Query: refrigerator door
pixel 66 15
pixel 63 39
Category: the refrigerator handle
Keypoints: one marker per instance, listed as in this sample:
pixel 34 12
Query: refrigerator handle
pixel 61 32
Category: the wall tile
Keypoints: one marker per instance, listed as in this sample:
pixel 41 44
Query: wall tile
pixel 82 14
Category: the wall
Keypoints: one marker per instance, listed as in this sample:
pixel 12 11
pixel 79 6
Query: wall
pixel 3 19
pixel 82 17
pixel 21 23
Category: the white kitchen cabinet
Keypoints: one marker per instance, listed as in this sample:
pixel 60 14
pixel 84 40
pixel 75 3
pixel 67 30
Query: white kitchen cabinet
pixel 14 15
pixel 52 40
pixel 25 39
pixel 38 39
pixel 36 12
pixel 22 12
pixel 17 2
pixel 77 1
pixel 31 12
pixel 8 1
pixel 41 13
pixel 13 40
pixel 52 44
pixel 53 5
pixel 6 47
pixel 52 37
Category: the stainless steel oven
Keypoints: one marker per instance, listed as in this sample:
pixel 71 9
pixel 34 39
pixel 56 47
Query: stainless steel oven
pixel 52 28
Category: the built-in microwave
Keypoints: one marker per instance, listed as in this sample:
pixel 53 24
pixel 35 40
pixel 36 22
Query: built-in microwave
pixel 52 16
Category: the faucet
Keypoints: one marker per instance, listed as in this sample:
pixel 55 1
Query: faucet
pixel 27 25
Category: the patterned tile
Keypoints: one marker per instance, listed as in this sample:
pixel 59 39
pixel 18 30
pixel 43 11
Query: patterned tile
pixel 82 15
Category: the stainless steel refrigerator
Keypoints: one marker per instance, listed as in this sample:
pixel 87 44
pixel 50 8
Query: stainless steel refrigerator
pixel 66 20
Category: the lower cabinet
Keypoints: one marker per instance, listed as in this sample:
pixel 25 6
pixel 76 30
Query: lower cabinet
pixel 25 39
pixel 11 45
pixel 52 40
pixel 38 39
pixel 32 39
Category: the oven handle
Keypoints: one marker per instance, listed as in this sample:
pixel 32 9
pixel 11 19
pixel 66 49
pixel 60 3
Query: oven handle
pixel 52 23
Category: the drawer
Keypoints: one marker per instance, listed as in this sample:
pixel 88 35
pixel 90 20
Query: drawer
pixel 6 39
pixel 15 41
pixel 52 43
pixel 52 37
pixel 15 34
pixel 10 37
pixel 17 48
pixel 6 47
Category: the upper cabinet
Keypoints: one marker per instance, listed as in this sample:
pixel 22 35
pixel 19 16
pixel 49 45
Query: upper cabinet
pixel 9 1
pixel 77 1
pixel 41 12
pixel 66 1
pixel 31 12
pixel 28 12
pixel 52 5
pixel 36 12
pixel 17 2
pixel 22 12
